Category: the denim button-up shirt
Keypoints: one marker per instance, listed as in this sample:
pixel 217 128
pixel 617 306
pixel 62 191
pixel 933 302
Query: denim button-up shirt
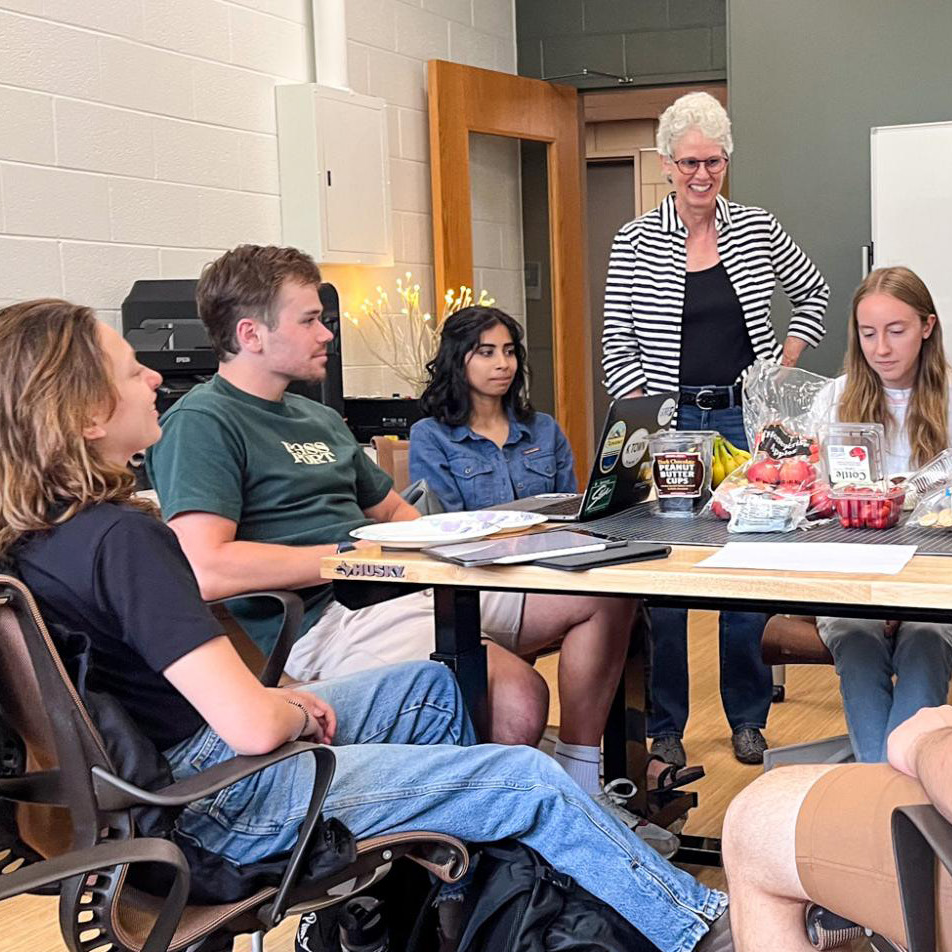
pixel 468 471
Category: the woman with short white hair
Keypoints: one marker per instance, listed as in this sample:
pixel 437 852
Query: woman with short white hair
pixel 687 308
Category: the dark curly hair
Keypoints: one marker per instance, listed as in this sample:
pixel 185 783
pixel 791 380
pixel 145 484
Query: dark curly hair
pixel 446 397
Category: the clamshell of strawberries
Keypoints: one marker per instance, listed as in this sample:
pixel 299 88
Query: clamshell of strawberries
pixel 781 487
pixel 868 507
pixel 853 461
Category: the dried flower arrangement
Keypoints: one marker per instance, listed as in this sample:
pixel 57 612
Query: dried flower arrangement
pixel 405 338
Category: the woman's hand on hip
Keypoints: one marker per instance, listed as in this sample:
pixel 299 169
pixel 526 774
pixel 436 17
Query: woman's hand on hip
pixel 793 347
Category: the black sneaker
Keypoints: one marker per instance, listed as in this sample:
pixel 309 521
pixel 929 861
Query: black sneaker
pixel 749 745
pixel 670 749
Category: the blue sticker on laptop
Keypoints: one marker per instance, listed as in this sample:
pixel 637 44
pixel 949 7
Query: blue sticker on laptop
pixel 611 448
pixel 600 494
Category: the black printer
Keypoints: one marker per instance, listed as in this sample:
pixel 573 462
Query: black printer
pixel 160 321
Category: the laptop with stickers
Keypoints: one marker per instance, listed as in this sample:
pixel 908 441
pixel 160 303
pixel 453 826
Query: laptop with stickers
pixel 621 469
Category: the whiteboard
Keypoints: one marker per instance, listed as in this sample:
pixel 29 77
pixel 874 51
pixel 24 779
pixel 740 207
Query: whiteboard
pixel 911 195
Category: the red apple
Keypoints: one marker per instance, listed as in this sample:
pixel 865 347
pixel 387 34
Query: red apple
pixel 718 510
pixel 764 471
pixel 797 472
pixel 821 506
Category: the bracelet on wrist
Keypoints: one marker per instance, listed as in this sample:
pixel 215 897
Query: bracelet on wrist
pixel 307 717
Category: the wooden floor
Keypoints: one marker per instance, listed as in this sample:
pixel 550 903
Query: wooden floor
pixel 812 711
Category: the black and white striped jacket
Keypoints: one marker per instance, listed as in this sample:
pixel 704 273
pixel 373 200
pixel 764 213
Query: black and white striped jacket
pixel 644 291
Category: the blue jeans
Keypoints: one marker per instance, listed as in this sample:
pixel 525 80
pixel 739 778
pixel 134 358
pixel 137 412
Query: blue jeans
pixel 406 761
pixel 746 682
pixel 919 656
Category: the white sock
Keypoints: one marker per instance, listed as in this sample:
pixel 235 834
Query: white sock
pixel 580 763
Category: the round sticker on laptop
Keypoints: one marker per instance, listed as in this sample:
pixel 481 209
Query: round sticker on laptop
pixel 634 449
pixel 667 412
pixel 611 448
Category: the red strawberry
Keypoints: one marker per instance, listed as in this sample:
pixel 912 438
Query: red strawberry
pixel 857 452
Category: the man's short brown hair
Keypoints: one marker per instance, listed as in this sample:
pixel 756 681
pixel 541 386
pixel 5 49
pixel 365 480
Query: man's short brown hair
pixel 245 282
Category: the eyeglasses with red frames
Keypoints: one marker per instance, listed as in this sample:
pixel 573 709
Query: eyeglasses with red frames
pixel 715 164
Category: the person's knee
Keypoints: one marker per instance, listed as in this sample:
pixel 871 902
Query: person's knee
pixel 619 614
pixel 758 841
pixel 737 845
pixel 756 818
pixel 862 649
pixel 434 673
pixel 518 702
pixel 922 646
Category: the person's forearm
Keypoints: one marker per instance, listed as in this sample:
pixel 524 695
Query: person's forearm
pixel 277 723
pixel 933 766
pixel 250 718
pixel 793 347
pixel 403 513
pixel 235 567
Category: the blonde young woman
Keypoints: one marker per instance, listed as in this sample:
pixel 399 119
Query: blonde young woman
pixel 74 406
pixel 821 833
pixel 896 374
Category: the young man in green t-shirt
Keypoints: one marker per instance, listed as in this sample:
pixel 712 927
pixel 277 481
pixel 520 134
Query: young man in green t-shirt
pixel 259 484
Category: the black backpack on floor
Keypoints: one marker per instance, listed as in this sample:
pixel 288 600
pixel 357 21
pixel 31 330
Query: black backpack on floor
pixel 518 903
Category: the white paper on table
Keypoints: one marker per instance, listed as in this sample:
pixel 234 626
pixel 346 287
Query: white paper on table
pixel 849 557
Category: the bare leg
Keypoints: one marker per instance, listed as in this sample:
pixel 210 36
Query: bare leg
pixel 759 850
pixel 518 699
pixel 594 632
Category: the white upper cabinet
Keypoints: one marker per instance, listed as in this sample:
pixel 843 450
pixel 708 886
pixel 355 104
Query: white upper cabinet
pixel 335 174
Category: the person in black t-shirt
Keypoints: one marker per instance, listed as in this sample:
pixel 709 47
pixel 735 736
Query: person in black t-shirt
pixel 74 406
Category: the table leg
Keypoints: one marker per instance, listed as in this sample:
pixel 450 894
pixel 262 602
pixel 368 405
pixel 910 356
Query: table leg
pixel 458 646
pixel 626 755
pixel 624 741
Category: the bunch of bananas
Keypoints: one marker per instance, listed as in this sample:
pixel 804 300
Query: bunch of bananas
pixel 727 458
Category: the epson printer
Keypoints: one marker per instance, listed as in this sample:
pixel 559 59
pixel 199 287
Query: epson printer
pixel 160 321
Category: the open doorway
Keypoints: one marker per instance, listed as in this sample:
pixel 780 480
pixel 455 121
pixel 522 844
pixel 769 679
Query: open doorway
pixel 611 202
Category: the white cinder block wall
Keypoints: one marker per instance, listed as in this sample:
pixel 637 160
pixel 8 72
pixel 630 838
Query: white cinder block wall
pixel 137 137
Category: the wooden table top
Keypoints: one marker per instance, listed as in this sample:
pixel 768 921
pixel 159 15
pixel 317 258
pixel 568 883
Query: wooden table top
pixel 925 582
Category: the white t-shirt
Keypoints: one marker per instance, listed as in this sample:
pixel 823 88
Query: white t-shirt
pixel 897 439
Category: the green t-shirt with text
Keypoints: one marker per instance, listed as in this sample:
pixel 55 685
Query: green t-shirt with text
pixel 288 472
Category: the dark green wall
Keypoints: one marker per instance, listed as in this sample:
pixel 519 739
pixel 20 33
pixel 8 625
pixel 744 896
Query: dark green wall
pixel 807 79
pixel 653 41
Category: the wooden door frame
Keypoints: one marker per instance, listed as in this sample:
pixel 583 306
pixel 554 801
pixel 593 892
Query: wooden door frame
pixel 463 100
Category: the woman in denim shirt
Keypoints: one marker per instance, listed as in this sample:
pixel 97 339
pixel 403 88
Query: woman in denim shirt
pixel 482 443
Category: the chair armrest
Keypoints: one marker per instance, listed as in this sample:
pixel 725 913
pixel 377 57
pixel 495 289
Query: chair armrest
pixel 274 912
pixel 292 612
pixel 920 835
pixel 114 793
pixel 104 855
pixel 45 786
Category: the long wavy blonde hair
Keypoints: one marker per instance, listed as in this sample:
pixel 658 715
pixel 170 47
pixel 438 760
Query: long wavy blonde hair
pixel 55 376
pixel 864 399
